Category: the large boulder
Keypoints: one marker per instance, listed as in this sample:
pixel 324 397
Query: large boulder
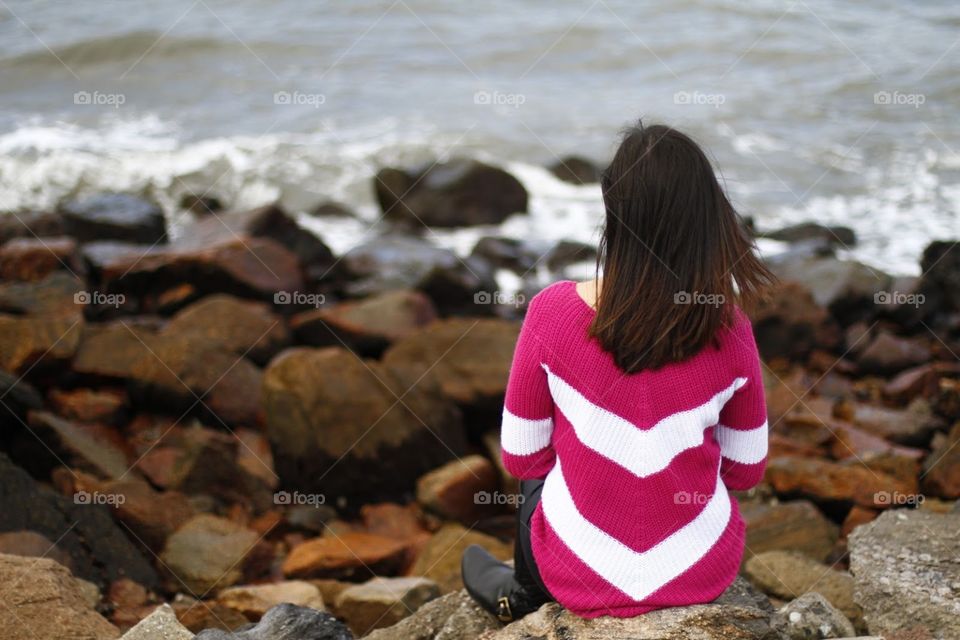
pixel 286 622
pixel 906 574
pixel 42 600
pixel 352 430
pixel 99 549
pixel 114 216
pixel 457 193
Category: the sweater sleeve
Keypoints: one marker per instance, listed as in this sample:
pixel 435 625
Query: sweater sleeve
pixel 742 431
pixel 527 427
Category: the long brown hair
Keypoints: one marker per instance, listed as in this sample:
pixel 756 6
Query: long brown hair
pixel 674 253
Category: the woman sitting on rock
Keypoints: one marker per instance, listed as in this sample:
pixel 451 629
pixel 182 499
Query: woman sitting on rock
pixel 635 403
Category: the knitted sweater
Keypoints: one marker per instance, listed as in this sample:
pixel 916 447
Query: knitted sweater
pixel 635 512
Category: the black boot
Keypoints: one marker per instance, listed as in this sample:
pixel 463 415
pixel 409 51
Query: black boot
pixel 495 588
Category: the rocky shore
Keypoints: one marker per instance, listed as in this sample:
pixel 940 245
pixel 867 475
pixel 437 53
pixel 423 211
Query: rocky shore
pixel 236 433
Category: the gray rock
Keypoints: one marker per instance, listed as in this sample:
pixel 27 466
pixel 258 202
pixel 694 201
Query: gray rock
pixel 906 567
pixel 812 617
pixel 455 616
pixel 114 216
pixel 381 602
pixel 286 622
pixel 575 170
pixel 162 624
pixel 806 231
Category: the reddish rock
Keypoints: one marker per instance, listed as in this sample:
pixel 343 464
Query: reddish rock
pixel 106 406
pixel 856 517
pixel 461 489
pixel 888 354
pixel 790 323
pixel 829 481
pixel 32 259
pixel 33 545
pixel 941 470
pixel 781 445
pixel 913 382
pixel 400 522
pixel 947 401
pixel 851 441
pixel 198 615
pixel 796 525
pixel 83 447
pixel 911 426
pixel 343 555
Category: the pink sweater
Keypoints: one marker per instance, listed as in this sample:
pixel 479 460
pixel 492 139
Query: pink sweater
pixel 635 513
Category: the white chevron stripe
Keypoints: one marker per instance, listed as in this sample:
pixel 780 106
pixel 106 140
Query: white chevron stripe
pixel 640 451
pixel 748 446
pixel 521 437
pixel 637 574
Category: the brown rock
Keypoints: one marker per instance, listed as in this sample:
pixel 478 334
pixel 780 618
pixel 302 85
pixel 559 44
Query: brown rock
pixel 856 517
pixel 796 525
pixel 888 354
pixel 207 553
pixel 32 259
pixel 32 545
pixel 913 382
pixel 828 481
pixel 30 224
pixel 342 555
pixel 941 470
pixel 198 615
pixel 47 603
pixel 850 441
pixel 81 446
pixel 106 406
pixel 382 602
pixel 25 341
pixel 575 170
pixel 460 490
pixel 254 600
pixel 911 426
pixel 439 560
pixel 790 323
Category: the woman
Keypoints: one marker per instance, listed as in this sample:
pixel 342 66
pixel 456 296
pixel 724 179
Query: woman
pixel 635 402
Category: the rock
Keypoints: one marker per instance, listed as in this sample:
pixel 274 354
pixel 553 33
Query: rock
pixel 30 224
pixel 575 170
pixel 253 601
pixel 207 553
pixel 912 426
pixel 796 525
pixel 788 575
pixel 403 262
pixel 454 616
pixel 99 550
pixel 200 204
pixel 845 482
pixel 850 441
pixel 456 193
pixel 19 397
pixel 114 216
pixel 941 469
pixel 197 615
pixel 81 447
pixel 242 327
pixel 366 326
pixel 790 323
pixel 105 406
pixel 327 410
pixel 736 617
pixel 906 575
pixel 331 209
pixel 33 545
pixel 567 252
pixel 888 354
pixel 506 253
pixel 47 603
pixel 843 236
pixel 33 259
pixel 287 622
pixel 39 321
pixel 162 624
pixel 947 398
pixel 812 617
pixel 461 489
pixel 343 555
pixel 940 266
pixel 382 602
pixel 59 295
pixel 439 560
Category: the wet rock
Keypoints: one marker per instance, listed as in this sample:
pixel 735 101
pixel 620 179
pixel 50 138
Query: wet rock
pixel 461 489
pixel 888 354
pixel 796 525
pixel 736 617
pixel 99 549
pixel 404 262
pixel 47 603
pixel 33 545
pixel 439 559
pixel 114 216
pixel 343 555
pixel 32 259
pixel 454 616
pixel 104 406
pixel 162 624
pixel 382 602
pixel 366 326
pixel 575 170
pixel 812 617
pixel 457 193
pixel 506 253
pixel 253 601
pixel 941 470
pixel 336 426
pixel 207 553
pixel 843 236
pixel 791 323
pixel 845 482
pixel 287 622
pixel 906 576
pixel 788 575
pixel 242 327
